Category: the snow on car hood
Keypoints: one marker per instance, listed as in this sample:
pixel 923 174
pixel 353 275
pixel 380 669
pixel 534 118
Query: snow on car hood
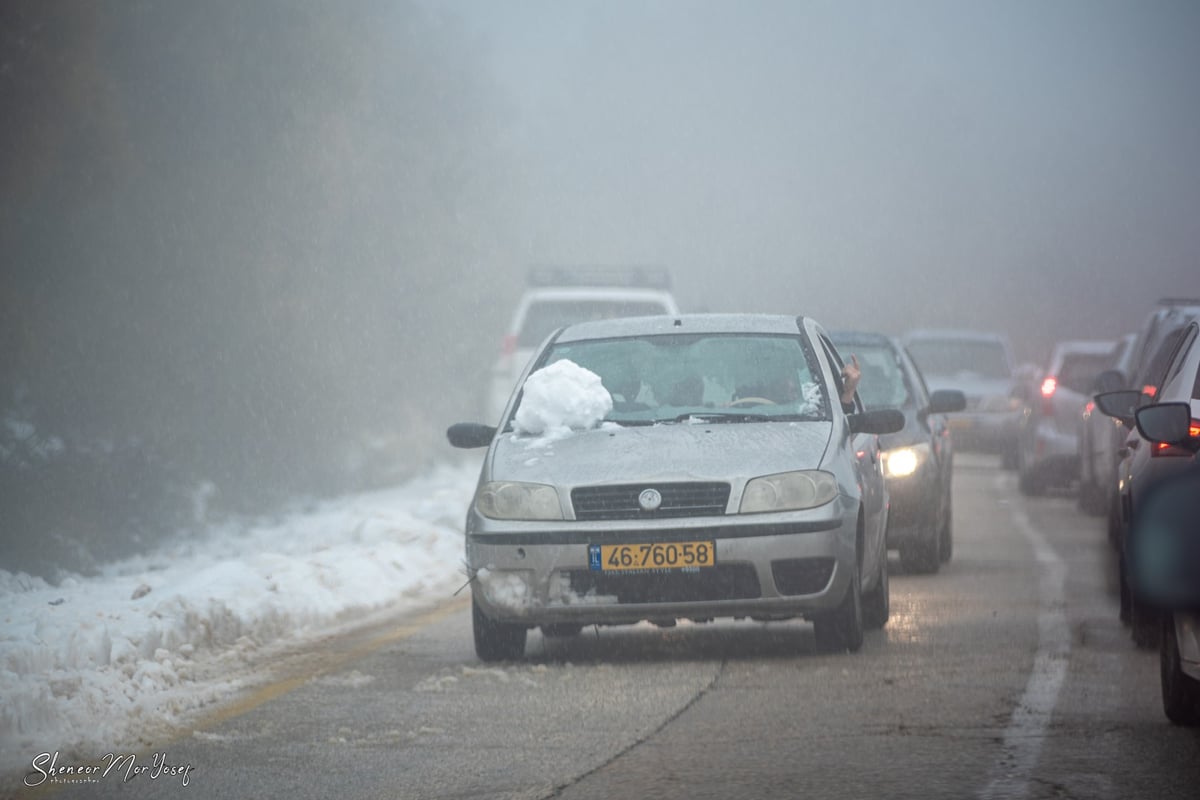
pixel 687 450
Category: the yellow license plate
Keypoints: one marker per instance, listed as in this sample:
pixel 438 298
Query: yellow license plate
pixel 655 556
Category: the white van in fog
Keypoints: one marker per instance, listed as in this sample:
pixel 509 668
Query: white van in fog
pixel 559 296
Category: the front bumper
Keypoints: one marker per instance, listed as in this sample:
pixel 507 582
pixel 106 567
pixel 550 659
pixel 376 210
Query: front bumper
pixel 774 570
pixel 916 502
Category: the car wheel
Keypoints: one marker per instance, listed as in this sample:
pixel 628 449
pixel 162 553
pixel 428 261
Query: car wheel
pixel 1091 499
pixel 922 558
pixel 1008 456
pixel 947 536
pixel 842 629
pixel 1180 692
pixel 496 641
pixel 1145 624
pixel 877 603
pixel 1029 483
pixel 561 630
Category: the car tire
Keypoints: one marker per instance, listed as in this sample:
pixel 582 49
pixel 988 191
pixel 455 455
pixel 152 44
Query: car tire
pixel 1030 484
pixel 496 641
pixel 922 558
pixel 1180 692
pixel 877 603
pixel 1091 499
pixel 1145 625
pixel 946 545
pixel 842 628
pixel 1008 456
pixel 561 630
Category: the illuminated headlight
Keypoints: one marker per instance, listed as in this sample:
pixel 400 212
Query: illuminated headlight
pixel 904 461
pixel 788 491
pixel 509 500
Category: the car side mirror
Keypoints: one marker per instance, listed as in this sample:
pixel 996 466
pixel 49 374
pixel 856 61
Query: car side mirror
pixel 1120 405
pixel 947 401
pixel 880 421
pixel 1111 380
pixel 470 434
pixel 1169 423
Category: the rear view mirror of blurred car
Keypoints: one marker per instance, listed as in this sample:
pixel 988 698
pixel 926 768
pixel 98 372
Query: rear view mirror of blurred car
pixel 1165 422
pixel 1120 405
pixel 880 421
pixel 470 434
pixel 1110 380
pixel 947 401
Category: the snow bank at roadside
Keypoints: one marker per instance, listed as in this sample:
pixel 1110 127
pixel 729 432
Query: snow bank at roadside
pixel 86 665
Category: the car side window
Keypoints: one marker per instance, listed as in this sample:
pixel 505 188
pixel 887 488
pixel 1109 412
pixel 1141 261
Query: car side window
pixel 836 364
pixel 1180 356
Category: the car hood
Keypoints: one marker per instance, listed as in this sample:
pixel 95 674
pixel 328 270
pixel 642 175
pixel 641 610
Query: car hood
pixel 690 451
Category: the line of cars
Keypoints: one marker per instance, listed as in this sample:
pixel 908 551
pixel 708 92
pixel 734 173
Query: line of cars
pixel 1095 417
pixel 1154 438
pixel 675 466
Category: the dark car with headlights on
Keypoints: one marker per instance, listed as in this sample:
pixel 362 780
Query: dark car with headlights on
pixel 723 479
pixel 918 460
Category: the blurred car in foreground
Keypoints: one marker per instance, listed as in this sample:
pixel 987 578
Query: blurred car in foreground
pixel 666 468
pixel 918 460
pixel 558 296
pixel 1164 552
pixel 1147 463
pixel 1048 438
pixel 980 365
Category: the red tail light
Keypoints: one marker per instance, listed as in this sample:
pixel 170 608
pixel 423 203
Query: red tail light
pixel 1048 388
pixel 1164 449
pixel 509 345
pixel 1149 390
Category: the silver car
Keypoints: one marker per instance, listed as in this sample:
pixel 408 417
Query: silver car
pixel 725 479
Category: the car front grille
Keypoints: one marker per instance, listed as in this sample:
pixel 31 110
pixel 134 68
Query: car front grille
pixel 722 582
pixel 678 500
pixel 801 575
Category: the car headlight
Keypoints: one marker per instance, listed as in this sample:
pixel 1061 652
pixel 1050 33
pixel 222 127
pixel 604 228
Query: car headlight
pixel 788 491
pixel 904 461
pixel 511 500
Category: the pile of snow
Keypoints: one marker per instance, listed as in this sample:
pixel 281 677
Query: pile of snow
pixel 88 664
pixel 560 398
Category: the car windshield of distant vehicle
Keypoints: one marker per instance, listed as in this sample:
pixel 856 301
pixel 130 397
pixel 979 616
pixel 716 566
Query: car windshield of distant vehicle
pixel 1079 370
pixel 545 316
pixel 883 383
pixel 718 377
pixel 958 357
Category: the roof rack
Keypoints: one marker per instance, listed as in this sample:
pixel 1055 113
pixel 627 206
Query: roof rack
pixel 1179 301
pixel 644 276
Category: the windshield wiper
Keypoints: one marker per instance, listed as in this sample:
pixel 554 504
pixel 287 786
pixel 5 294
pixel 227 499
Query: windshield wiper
pixel 718 416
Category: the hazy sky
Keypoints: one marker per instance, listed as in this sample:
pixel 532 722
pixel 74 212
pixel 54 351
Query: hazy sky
pixel 1024 166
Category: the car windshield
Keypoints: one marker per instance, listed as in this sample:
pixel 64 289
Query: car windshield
pixel 958 357
pixel 1079 370
pixel 883 383
pixel 543 317
pixel 719 377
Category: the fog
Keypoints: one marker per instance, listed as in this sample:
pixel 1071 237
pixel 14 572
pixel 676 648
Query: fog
pixel 255 252
pixel 1027 167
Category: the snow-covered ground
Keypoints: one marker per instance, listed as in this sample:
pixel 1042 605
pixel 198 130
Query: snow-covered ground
pixel 88 666
pixel 91 665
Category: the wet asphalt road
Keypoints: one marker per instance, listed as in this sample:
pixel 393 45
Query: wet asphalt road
pixel 1006 675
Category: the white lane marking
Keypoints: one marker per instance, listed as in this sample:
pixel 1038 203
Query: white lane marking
pixel 1026 731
